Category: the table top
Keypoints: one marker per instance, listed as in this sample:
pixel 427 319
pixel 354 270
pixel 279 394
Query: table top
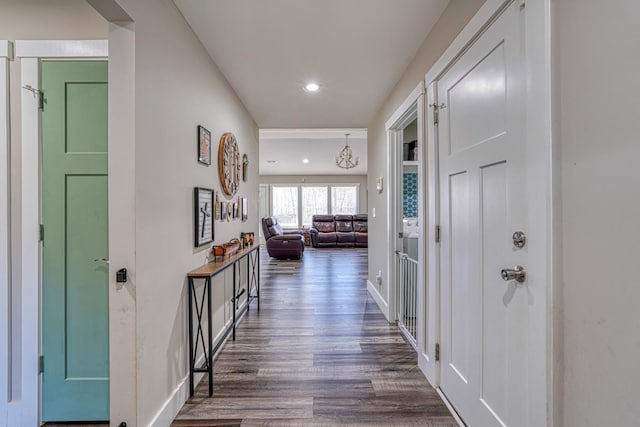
pixel 214 267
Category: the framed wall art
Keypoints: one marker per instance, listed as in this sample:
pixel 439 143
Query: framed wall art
pixel 245 209
pixel 203 216
pixel 204 146
pixel 229 167
pixel 223 211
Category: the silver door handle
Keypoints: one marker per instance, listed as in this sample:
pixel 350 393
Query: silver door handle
pixel 105 260
pixel 516 273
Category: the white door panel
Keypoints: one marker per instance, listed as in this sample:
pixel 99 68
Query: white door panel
pixel 484 319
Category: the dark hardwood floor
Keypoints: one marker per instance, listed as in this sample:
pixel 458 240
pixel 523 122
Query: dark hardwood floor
pixel 318 353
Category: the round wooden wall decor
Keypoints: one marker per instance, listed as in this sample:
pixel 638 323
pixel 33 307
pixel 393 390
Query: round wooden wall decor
pixel 229 166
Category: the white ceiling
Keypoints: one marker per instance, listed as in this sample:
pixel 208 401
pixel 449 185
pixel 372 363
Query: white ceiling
pixel 355 49
pixel 289 147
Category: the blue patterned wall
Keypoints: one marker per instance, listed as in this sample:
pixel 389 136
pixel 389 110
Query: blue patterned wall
pixel 410 195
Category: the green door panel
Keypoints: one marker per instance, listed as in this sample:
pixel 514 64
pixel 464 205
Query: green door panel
pixel 75 310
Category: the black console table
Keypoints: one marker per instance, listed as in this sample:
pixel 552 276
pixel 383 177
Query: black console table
pixel 206 273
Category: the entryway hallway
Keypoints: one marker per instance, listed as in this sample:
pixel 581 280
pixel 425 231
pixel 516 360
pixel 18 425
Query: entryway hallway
pixel 319 352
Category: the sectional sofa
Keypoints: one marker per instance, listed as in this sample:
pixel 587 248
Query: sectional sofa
pixel 339 230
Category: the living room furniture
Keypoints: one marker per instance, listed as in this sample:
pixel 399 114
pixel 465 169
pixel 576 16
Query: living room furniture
pixel 282 244
pixel 197 302
pixel 339 231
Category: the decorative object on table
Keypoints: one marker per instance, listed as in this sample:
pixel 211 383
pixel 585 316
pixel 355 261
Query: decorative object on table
pixel 245 209
pixel 245 166
pixel 223 211
pixel 203 216
pixel 345 158
pixel 229 166
pixel 229 210
pixel 217 209
pixel 226 249
pixel 247 239
pixel 204 146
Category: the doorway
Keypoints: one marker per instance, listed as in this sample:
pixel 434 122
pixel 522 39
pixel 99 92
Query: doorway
pixel 75 309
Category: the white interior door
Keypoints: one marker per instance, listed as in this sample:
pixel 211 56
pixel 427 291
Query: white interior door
pixel 483 202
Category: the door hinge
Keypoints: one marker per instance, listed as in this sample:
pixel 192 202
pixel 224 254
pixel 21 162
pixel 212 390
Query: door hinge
pixel 436 112
pixel 41 364
pixel 41 233
pixel 437 352
pixel 437 234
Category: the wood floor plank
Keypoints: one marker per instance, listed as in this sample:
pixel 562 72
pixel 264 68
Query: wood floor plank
pixel 319 353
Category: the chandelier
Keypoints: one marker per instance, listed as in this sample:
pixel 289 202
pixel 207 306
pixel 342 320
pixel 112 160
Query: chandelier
pixel 345 158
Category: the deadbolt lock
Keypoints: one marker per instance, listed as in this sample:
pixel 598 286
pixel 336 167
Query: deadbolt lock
pixel 519 239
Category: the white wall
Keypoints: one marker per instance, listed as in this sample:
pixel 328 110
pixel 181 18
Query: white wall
pixel 177 88
pixel 597 78
pixel 453 19
pixel 361 180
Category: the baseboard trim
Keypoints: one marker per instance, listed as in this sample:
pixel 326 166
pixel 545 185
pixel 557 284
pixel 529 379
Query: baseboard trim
pixel 180 394
pixel 382 304
pixel 450 407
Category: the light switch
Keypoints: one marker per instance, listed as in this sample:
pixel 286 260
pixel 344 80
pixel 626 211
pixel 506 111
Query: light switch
pixel 373 214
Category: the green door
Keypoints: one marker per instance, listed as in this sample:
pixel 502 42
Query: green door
pixel 75 316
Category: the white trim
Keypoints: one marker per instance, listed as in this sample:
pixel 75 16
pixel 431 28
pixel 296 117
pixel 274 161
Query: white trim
pixel 356 133
pixel 6 49
pixel 180 394
pixel 450 407
pixel 29 239
pixel 404 107
pixel 539 150
pixel 382 304
pixel 62 48
pixel 5 220
pixel 433 219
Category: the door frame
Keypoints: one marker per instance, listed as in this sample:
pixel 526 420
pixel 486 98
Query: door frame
pixel 6 54
pixel 539 173
pixel 427 330
pixel 31 53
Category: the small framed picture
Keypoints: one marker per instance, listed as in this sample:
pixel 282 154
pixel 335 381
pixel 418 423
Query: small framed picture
pixel 217 209
pixel 245 209
pixel 203 216
pixel 223 211
pixel 204 146
pixel 229 211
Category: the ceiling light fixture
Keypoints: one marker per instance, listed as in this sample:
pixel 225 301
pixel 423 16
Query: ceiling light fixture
pixel 312 87
pixel 305 161
pixel 345 157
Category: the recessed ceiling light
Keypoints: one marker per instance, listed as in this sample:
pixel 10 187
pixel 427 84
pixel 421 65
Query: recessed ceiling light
pixel 305 160
pixel 271 161
pixel 312 87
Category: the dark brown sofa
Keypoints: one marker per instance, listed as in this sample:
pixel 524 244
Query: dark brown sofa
pixel 339 230
pixel 282 244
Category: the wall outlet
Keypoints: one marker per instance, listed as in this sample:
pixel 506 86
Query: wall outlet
pixel 379 278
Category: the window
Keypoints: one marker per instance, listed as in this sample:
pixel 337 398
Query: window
pixel 344 200
pixel 284 201
pixel 294 204
pixel 315 201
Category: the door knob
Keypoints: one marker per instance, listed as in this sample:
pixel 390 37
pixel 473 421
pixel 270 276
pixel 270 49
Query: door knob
pixel 516 273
